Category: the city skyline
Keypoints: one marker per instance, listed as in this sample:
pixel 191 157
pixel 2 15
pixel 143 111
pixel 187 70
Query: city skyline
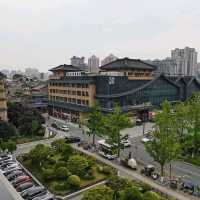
pixel 33 34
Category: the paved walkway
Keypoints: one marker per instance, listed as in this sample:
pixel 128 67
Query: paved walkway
pixel 134 175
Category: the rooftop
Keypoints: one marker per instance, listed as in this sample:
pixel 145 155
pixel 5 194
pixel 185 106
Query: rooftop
pixel 127 63
pixel 67 68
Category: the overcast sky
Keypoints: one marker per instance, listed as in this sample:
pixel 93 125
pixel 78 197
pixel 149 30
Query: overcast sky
pixel 46 33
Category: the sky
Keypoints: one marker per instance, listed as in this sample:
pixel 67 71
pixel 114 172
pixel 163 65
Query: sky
pixel 46 33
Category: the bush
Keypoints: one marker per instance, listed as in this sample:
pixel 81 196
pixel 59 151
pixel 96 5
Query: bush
pixel 144 187
pixel 48 174
pixel 107 170
pixel 62 173
pixel 60 186
pixel 74 181
pixel 150 195
pixel 77 165
pixel 60 164
pixel 131 193
pixel 100 169
pixel 51 161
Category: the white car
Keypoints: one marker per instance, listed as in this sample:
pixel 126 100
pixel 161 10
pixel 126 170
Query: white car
pixel 147 138
pixel 107 155
pixel 64 128
pixel 11 167
pixel 126 143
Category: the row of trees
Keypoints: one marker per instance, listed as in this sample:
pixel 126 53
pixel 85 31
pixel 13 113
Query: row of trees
pixel 118 188
pixel 109 125
pixel 177 132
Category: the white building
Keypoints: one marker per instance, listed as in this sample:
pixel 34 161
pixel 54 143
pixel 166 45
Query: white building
pixel 186 60
pixel 93 64
pixel 108 59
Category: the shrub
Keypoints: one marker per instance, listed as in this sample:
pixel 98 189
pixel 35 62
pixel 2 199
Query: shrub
pixel 48 174
pixel 74 181
pixel 60 186
pixel 131 193
pixel 77 165
pixel 60 164
pixel 66 151
pixel 62 172
pixel 144 187
pixel 101 192
pixel 100 169
pixel 150 195
pixel 107 170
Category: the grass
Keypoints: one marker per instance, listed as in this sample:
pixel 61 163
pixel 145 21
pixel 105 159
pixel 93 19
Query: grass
pixel 194 161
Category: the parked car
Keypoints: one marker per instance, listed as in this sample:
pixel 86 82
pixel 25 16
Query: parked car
pixel 149 170
pixel 14 175
pixel 125 143
pixel 7 164
pixel 47 196
pixel 6 173
pixel 54 125
pixel 107 155
pixel 138 122
pixel 24 186
pixel 34 192
pixel 72 139
pixel 13 166
pixel 147 138
pixel 6 158
pixel 129 163
pixel 19 180
pixel 64 128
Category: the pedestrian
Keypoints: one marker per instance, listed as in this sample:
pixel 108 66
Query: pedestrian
pixel 129 155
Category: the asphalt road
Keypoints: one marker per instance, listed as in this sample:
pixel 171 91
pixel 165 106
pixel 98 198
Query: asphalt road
pixel 181 169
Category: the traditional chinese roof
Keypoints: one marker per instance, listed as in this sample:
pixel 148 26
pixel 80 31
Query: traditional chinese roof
pixel 127 64
pixel 67 68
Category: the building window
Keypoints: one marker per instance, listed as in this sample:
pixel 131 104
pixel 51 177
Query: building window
pixel 79 93
pixel 87 94
pixel 78 101
pixel 87 102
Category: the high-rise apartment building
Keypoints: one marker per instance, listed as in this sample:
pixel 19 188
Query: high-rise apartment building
pixel 186 61
pixel 78 62
pixel 3 102
pixel 93 64
pixel 166 66
pixel 108 59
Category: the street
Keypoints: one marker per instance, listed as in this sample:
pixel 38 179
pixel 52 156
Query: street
pixel 181 169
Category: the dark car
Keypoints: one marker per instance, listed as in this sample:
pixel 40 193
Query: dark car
pixel 24 186
pixel 14 175
pixel 72 139
pixel 34 192
pixel 54 126
pixel 21 179
pixel 138 122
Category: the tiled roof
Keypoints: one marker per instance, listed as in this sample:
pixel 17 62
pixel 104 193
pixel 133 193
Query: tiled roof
pixel 66 68
pixel 127 63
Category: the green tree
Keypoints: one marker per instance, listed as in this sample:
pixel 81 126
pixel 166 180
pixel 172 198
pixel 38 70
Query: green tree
pixel 62 173
pixel 74 181
pixel 131 193
pixel 7 130
pixel 77 165
pixel 67 151
pixel 58 145
pixel 164 147
pixel 94 123
pixel 11 146
pixel 39 154
pixel 99 193
pixel 151 196
pixel 113 124
pixel 194 120
pixel 35 127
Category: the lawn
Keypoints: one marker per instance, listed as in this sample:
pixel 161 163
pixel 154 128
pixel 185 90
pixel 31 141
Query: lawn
pixel 47 171
pixel 194 161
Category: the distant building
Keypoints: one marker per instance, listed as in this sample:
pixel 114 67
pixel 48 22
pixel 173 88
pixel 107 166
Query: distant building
pixel 3 101
pixel 108 59
pixel 166 66
pixel 186 60
pixel 93 64
pixel 78 62
pixel 32 72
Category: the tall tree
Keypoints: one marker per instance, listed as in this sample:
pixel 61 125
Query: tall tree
pixel 164 147
pixel 95 122
pixel 194 120
pixel 113 124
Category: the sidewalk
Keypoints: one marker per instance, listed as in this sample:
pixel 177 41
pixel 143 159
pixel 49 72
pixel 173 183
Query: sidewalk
pixel 136 176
